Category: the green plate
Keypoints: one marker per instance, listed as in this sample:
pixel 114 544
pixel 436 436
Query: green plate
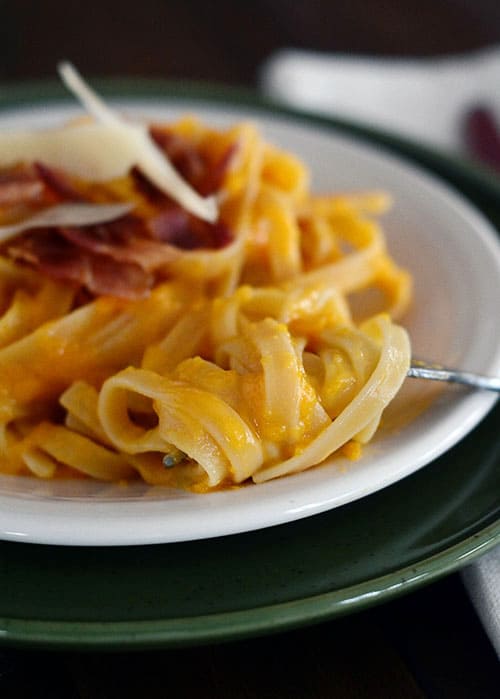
pixel 410 533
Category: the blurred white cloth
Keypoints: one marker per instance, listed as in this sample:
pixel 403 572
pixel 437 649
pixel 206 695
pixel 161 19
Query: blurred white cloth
pixel 482 580
pixel 426 100
pixel 422 98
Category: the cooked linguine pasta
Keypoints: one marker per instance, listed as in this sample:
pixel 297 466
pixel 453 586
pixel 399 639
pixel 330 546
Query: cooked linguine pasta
pixel 188 352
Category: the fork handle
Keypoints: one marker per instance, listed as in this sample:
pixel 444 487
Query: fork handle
pixel 425 370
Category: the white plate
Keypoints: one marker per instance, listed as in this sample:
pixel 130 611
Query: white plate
pixel 454 256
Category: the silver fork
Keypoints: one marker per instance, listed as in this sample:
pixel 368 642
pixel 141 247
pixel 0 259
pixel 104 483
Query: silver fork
pixel 420 369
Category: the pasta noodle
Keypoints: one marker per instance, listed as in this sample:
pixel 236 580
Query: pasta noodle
pixel 240 360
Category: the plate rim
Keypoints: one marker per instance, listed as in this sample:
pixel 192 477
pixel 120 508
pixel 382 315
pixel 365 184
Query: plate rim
pixel 247 623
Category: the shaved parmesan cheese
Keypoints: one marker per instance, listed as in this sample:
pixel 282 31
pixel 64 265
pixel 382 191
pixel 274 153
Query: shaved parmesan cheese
pixel 91 151
pixel 148 156
pixel 67 215
pixel 103 150
pixel 88 98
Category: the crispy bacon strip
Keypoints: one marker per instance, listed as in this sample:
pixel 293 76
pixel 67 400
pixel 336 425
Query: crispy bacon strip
pixel 175 226
pixel 119 257
pixel 214 176
pixel 124 240
pixel 183 155
pixel 36 184
pixel 58 183
pixel 186 232
pixel 20 186
pixel 59 259
pixel 203 176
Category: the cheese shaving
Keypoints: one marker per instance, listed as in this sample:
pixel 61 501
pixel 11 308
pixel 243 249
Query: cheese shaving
pixel 89 99
pixel 151 160
pixel 67 215
pixel 102 150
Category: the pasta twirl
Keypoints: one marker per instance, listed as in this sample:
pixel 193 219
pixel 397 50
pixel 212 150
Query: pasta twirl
pixel 193 353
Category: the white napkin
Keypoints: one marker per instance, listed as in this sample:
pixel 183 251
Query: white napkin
pixel 422 98
pixel 482 580
pixel 425 99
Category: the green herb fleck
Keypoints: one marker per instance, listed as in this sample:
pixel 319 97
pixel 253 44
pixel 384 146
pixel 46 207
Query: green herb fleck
pixel 172 459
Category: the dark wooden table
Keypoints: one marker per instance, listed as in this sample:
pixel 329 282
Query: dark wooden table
pixel 426 644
